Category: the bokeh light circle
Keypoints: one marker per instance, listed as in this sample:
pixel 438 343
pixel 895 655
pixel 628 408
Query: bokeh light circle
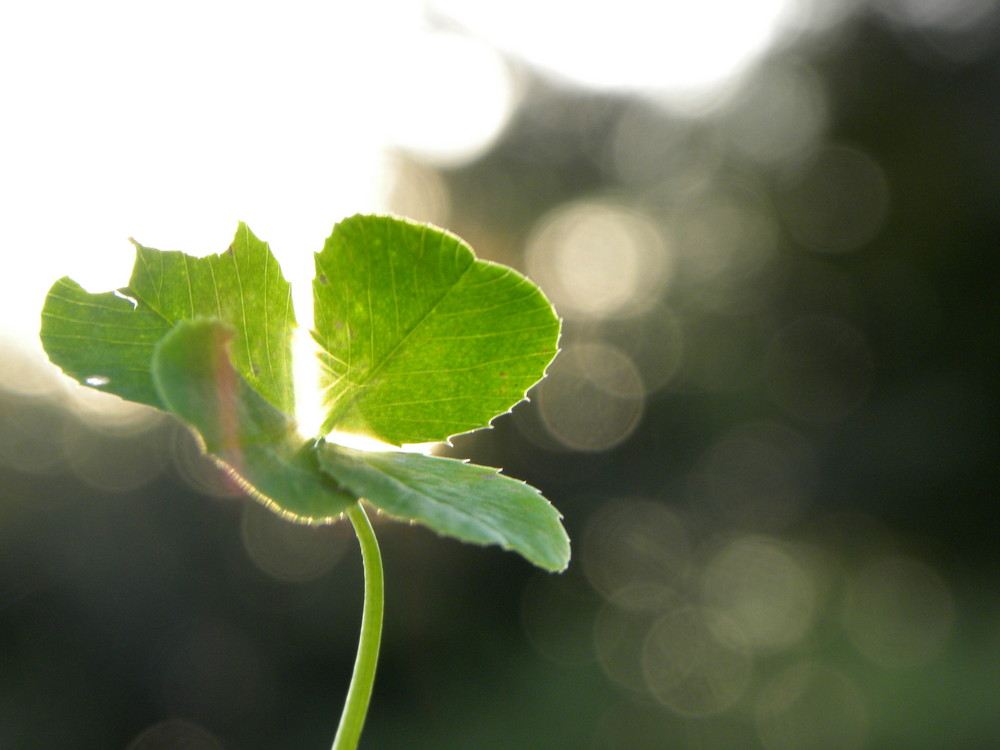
pixel 689 669
pixel 114 462
pixel 592 397
pixel 450 99
pixel 112 415
pixel 29 430
pixel 415 190
pixel 723 237
pixel 778 115
pixel 677 48
pixel 763 589
pixel 25 369
pixel 654 342
pixel 596 259
pixel 618 643
pixel 671 156
pixel 634 551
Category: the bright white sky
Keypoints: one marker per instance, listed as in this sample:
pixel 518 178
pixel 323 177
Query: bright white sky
pixel 675 46
pixel 170 122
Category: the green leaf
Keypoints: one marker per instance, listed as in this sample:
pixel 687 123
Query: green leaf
pixel 102 340
pixel 106 340
pixel 195 380
pixel 420 340
pixel 471 503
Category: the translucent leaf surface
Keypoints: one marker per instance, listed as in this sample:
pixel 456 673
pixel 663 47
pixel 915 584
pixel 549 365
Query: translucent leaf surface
pixel 195 379
pixel 106 340
pixel 102 340
pixel 472 503
pixel 420 340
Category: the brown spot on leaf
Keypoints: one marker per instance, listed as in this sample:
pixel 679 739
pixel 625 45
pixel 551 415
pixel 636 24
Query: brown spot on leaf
pixel 323 279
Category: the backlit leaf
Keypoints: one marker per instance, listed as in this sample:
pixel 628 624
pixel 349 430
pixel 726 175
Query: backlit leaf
pixel 257 443
pixel 468 502
pixel 106 340
pixel 420 340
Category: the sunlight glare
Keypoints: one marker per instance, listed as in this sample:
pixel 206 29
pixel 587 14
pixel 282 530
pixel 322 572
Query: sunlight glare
pixel 359 442
pixel 183 123
pixel 452 96
pixel 374 445
pixel 673 47
pixel 306 371
pixel 305 374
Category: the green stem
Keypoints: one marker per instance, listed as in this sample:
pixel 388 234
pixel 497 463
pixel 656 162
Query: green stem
pixel 352 720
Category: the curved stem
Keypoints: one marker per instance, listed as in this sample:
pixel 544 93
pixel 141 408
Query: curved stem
pixel 352 720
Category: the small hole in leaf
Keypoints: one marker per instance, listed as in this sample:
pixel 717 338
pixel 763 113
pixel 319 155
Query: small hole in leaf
pixel 121 295
pixel 97 380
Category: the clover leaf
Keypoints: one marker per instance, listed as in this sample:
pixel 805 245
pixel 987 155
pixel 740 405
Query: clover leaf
pixel 106 340
pixel 461 500
pixel 419 340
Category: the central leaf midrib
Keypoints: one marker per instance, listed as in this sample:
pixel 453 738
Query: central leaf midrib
pixel 352 395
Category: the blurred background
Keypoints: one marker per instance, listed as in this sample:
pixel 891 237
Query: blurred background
pixel 771 230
